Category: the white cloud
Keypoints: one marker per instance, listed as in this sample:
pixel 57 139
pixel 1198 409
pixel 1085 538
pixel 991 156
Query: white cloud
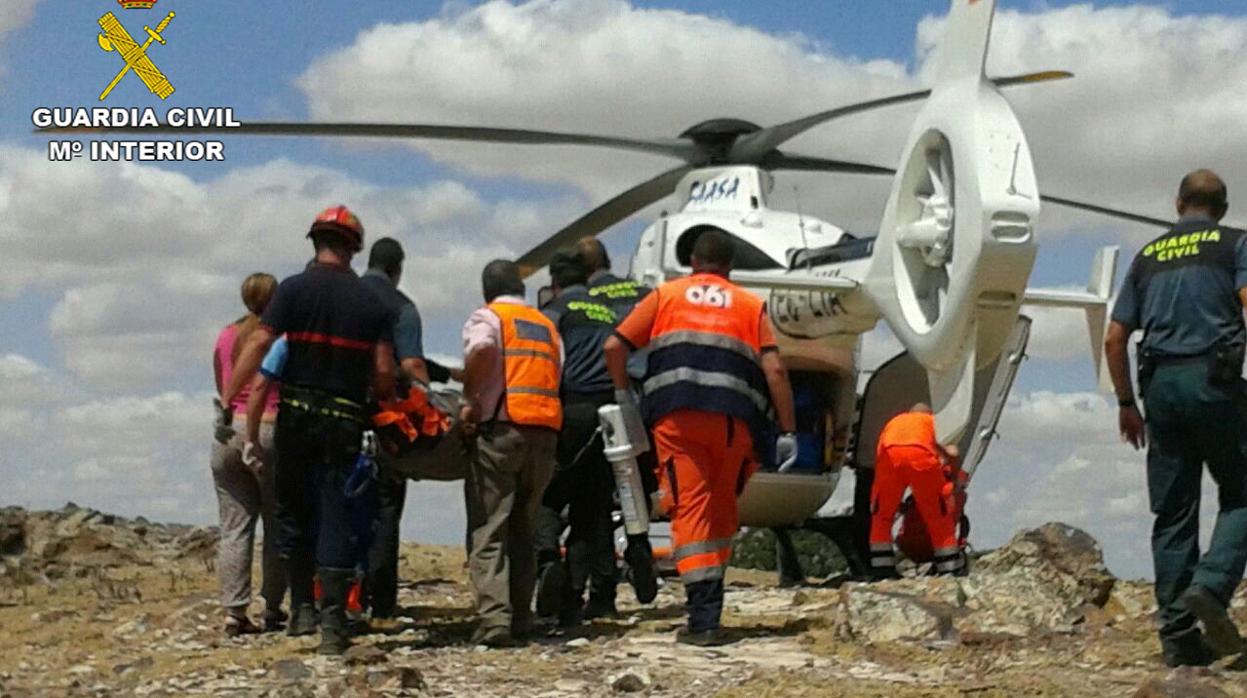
pixel 17 15
pixel 1059 458
pixel 593 66
pixel 148 262
pixel 125 453
pixel 1059 334
pixel 1164 100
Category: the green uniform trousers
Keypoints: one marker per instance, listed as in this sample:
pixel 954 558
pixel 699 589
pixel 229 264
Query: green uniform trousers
pixel 1191 423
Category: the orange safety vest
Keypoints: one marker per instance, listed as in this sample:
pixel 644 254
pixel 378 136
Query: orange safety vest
pixel 530 355
pixel 705 351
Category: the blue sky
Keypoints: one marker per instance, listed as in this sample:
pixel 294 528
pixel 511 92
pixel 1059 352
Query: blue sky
pixel 121 274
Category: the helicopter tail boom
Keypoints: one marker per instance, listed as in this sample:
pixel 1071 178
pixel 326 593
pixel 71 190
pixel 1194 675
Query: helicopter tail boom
pixel 1094 301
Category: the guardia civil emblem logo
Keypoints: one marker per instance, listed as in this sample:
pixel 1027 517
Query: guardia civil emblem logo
pixel 116 39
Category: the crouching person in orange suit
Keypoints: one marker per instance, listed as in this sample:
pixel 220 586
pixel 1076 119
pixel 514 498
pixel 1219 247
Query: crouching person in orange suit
pixel 908 457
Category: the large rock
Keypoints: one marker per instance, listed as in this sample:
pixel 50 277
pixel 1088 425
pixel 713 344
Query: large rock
pixel 1179 687
pixel 905 609
pixel 76 539
pixel 12 531
pixel 1042 580
pixel 1067 559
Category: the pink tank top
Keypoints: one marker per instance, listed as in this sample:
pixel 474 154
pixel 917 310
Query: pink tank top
pixel 224 356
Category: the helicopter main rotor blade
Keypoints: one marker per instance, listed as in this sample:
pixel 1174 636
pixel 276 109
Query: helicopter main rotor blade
pixel 671 146
pixel 1106 211
pixel 602 217
pixel 805 163
pixel 754 146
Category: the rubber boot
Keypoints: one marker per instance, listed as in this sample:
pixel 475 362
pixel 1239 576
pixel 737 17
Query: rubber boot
pixel 300 571
pixel 704 604
pixel 335 633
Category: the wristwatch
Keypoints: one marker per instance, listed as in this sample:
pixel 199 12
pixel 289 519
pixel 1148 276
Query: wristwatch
pixel 1126 403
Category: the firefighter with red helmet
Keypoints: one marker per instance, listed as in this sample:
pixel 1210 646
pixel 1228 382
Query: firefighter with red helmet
pixel 340 353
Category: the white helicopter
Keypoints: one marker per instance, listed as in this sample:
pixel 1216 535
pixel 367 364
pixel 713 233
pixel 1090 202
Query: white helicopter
pixel 947 272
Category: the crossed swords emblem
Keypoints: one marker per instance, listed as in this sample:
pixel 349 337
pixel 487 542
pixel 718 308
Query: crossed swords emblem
pixel 116 38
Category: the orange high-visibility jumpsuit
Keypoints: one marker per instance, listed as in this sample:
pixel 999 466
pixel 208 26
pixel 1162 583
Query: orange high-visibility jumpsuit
pixel 704 390
pixel 909 457
pixel 704 461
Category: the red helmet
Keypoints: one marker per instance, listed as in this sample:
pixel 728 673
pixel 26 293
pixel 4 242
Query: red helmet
pixel 341 221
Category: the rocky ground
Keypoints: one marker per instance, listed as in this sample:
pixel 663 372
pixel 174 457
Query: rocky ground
pixel 96 605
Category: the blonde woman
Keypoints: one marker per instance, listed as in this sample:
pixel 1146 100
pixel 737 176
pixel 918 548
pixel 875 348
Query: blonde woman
pixel 246 488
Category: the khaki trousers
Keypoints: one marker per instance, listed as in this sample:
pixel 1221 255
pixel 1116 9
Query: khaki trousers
pixel 246 498
pixel 510 468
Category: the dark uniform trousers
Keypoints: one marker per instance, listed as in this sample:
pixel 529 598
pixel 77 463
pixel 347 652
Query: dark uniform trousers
pixel 1190 423
pixel 318 523
pixel 584 484
pixel 381 583
pixel 510 469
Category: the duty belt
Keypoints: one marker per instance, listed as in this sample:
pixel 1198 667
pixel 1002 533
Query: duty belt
pixel 1172 360
pixel 324 404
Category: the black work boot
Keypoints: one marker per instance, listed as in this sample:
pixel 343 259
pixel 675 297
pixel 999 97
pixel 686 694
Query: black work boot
pixel 705 608
pixel 335 632
pixel 601 601
pixel 710 637
pixel 1219 629
pixel 300 571
pixel 275 621
pixel 551 587
pixel 1187 649
pixel 640 558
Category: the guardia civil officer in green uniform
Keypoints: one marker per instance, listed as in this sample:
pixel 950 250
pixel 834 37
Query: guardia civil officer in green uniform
pixel 583 481
pixel 1185 292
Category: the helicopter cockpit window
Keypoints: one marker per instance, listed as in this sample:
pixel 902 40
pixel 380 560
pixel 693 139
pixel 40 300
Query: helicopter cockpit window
pixel 748 256
pixel 849 248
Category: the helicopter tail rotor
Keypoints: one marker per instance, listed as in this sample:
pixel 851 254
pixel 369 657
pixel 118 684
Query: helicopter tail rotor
pixel 957 239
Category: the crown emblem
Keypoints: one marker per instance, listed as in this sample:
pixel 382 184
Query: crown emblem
pixel 137 4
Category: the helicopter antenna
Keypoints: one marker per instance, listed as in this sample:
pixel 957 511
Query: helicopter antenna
pixel 796 191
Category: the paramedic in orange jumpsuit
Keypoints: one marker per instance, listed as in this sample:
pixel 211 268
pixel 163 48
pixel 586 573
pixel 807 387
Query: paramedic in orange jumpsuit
pixel 909 457
pixel 712 367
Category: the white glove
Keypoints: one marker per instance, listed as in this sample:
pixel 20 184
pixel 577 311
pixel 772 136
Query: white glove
pixel 786 451
pixel 638 435
pixel 252 457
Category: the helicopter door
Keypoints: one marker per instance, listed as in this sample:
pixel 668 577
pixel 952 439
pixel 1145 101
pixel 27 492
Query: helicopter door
pixel 902 381
pixel 974 444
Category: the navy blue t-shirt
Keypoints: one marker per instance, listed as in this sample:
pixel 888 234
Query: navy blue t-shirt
pixel 1182 290
pixel 333 323
pixel 407 332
